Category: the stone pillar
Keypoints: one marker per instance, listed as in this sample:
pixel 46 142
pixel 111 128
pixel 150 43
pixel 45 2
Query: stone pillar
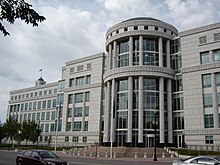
pixel 169 111
pixel 215 101
pixel 130 101
pixel 141 107
pixel 211 58
pixel 160 43
pixel 107 113
pixel 109 67
pixel 114 55
pixel 130 51
pixel 141 60
pixel 113 111
pixel 161 99
pixel 168 53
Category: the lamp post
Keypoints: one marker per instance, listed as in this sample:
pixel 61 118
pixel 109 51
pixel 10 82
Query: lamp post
pixel 19 138
pixel 38 133
pixel 96 149
pixel 155 136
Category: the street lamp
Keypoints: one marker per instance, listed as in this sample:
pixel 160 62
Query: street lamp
pixel 19 138
pixel 155 123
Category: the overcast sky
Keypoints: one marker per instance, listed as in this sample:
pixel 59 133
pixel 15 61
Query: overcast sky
pixel 75 29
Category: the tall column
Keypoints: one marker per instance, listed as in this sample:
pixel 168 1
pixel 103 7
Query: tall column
pixel 109 67
pixel 211 58
pixel 141 60
pixel 114 55
pixel 130 101
pixel 141 107
pixel 169 111
pixel 160 43
pixel 107 113
pixel 168 53
pixel 215 101
pixel 113 111
pixel 130 51
pixel 161 99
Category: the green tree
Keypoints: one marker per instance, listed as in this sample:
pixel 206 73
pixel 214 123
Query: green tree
pixel 10 10
pixel 29 131
pixel 11 126
pixel 2 132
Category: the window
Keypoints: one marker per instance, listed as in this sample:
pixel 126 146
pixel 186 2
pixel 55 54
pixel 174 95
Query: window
pixel 208 139
pixel 79 81
pixel 218 96
pixel 69 112
pixel 30 106
pixel 53 115
pixel 20 117
pixel 78 112
pixel 70 98
pixel 78 97
pixel 217 75
pixel 33 116
pixel 135 27
pixel 86 125
pixel 87 96
pixel 204 57
pixel 71 82
pixel 46 127
pixel 77 126
pixel 38 116
pixel 206 80
pixel 35 105
pixel 88 79
pixel 39 105
pixel 207 98
pixel 84 140
pixel 75 139
pixel 43 116
pixel 48 103
pixel 52 127
pixel 123 85
pixel 66 138
pixel 48 116
pixel 87 111
pixel 216 54
pixel 68 126
pixel 44 104
pixel 26 106
pixel 54 103
pixel 209 122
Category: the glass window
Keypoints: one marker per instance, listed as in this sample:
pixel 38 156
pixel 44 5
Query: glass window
pixel 30 106
pixel 122 120
pixel 123 85
pixel 77 126
pixel 78 112
pixel 71 82
pixel 209 121
pixel 20 117
pixel 39 105
pixel 26 106
pixel 216 54
pixel 207 98
pixel 87 111
pixel 75 139
pixel 70 98
pixel 48 103
pixel 68 126
pixel 48 116
pixel 66 138
pixel 69 112
pixel 35 105
pixel 88 79
pixel 123 60
pixel 54 103
pixel 87 96
pixel 86 125
pixel 44 104
pixel 206 80
pixel 79 81
pixel 33 116
pixel 204 56
pixel 150 84
pixel 217 79
pixel 25 117
pixel 52 127
pixel 38 116
pixel 78 97
pixel 46 127
pixel 43 116
pixel 208 139
pixel 122 100
pixel 84 140
pixel 53 115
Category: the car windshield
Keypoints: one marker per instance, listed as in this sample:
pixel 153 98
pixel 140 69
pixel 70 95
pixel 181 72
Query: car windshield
pixel 47 154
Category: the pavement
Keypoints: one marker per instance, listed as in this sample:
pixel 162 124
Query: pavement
pixel 148 159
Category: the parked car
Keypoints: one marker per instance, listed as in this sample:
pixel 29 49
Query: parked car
pixel 204 160
pixel 39 157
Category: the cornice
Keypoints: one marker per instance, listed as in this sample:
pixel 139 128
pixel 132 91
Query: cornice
pixel 202 132
pixel 138 71
pixel 201 67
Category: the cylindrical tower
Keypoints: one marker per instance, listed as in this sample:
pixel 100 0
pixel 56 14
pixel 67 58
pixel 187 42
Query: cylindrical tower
pixel 138 82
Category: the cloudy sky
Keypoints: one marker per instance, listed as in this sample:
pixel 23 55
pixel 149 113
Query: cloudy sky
pixel 75 29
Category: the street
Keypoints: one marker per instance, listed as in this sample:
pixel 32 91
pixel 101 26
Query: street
pixel 8 158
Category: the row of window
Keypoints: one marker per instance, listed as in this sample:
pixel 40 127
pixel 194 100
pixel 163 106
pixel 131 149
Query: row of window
pixel 206 80
pixel 34 94
pixel 78 112
pixel 145 27
pixel 78 81
pixel 39 116
pixel 45 104
pixel 205 59
pixel 209 120
pixel 77 126
pixel 78 97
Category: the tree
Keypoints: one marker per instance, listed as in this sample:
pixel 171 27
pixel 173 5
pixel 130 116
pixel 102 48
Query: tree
pixel 2 132
pixel 11 126
pixel 10 10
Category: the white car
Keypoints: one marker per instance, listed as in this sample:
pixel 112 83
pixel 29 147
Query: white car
pixel 202 160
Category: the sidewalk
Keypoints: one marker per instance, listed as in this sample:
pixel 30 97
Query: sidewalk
pixel 164 160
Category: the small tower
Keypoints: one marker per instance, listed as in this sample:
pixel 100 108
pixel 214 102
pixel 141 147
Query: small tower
pixel 40 81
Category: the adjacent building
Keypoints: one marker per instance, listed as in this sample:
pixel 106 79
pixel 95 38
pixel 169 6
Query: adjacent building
pixel 151 77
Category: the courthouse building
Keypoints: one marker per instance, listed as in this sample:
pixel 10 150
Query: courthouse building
pixel 151 77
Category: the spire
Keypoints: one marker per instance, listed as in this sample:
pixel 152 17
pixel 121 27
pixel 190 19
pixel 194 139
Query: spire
pixel 40 81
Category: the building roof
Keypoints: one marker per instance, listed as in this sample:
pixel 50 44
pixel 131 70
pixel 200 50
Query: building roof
pixel 142 18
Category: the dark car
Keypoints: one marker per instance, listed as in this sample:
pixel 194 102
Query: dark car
pixel 39 157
